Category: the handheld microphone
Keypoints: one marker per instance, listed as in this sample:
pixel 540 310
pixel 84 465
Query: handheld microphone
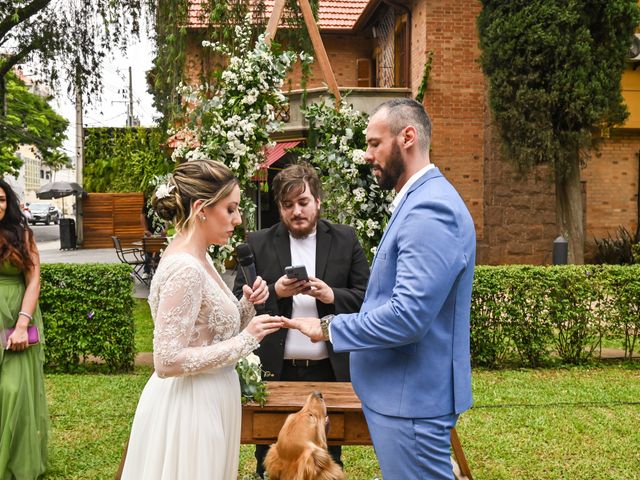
pixel 247 263
pixel 248 267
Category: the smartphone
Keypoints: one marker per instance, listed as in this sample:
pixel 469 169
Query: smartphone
pixel 299 272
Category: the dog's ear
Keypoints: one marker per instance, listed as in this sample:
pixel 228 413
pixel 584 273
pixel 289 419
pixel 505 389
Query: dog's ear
pixel 317 464
pixel 273 463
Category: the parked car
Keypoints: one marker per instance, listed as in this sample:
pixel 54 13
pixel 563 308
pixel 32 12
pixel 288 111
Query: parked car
pixel 44 213
pixel 25 211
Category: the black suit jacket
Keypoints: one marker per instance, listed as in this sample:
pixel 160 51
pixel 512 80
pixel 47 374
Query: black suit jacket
pixel 340 263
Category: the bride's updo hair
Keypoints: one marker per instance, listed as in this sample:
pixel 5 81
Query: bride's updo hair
pixel 206 180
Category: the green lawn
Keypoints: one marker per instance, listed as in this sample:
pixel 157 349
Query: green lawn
pixel 580 423
pixel 144 325
pixel 574 423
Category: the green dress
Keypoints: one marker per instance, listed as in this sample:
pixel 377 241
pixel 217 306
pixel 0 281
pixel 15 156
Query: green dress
pixel 23 406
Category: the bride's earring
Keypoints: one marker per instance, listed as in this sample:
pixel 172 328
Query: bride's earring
pixel 202 218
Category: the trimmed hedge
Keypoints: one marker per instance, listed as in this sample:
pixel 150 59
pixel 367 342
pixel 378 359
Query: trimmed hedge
pixel 524 315
pixel 87 311
pixel 520 315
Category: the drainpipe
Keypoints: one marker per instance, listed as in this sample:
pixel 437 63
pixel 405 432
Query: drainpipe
pixel 407 57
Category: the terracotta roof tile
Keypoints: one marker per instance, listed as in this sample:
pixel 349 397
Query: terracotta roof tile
pixel 332 14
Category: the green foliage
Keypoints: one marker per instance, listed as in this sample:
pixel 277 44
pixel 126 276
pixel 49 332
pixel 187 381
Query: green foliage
pixel 524 314
pixel 218 22
pixel 422 89
pixel 253 387
pixel 576 305
pixel 233 121
pixel 30 120
pixel 124 159
pixel 623 320
pixel 554 70
pixel 67 40
pixel 336 148
pixel 87 310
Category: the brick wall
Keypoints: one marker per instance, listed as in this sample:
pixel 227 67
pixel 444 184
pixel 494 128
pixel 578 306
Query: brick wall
pixel 514 215
pixel 343 51
pixel 611 178
pixel 520 218
pixel 455 95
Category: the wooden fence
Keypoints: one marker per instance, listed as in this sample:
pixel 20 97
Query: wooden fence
pixel 109 214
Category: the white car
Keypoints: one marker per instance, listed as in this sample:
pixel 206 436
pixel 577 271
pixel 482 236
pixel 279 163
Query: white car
pixel 44 213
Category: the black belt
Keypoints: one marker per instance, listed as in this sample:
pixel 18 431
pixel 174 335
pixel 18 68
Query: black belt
pixel 305 363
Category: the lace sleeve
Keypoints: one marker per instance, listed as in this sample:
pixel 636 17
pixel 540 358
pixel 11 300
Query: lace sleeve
pixel 179 304
pixel 247 311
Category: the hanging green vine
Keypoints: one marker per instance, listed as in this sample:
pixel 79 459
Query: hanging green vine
pixel 425 77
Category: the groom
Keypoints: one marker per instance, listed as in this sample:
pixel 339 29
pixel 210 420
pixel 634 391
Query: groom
pixel 410 360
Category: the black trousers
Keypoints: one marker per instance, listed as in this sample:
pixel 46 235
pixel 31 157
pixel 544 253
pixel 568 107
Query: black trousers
pixel 320 372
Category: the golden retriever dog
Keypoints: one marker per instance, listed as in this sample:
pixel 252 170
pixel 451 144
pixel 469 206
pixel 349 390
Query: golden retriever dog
pixel 301 450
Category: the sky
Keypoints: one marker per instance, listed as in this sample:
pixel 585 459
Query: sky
pixel 110 109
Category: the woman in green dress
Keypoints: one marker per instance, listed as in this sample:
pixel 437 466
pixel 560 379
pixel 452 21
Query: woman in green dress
pixel 23 407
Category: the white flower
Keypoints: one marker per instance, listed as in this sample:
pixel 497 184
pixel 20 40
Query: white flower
pixel 195 154
pixel 253 359
pixel 164 190
pixel 357 156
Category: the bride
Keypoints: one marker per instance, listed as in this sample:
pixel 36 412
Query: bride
pixel 187 424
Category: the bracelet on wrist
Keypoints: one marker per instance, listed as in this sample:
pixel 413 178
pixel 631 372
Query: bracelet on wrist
pixel 324 325
pixel 25 314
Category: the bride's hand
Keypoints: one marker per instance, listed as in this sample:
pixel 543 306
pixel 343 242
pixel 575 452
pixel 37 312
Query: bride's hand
pixel 264 325
pixel 258 294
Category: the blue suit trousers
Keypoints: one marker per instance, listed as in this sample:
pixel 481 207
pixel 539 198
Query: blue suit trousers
pixel 412 448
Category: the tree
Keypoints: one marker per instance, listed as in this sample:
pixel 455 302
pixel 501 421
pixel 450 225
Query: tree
pixel 554 70
pixel 30 120
pixel 66 38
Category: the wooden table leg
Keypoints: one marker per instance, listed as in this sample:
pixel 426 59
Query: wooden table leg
pixel 124 457
pixel 459 454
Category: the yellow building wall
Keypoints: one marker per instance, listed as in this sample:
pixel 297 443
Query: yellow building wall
pixel 631 92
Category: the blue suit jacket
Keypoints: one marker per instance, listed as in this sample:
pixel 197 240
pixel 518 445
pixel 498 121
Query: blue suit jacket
pixel 409 344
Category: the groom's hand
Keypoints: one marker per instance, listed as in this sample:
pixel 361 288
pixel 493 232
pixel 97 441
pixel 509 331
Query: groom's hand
pixel 308 325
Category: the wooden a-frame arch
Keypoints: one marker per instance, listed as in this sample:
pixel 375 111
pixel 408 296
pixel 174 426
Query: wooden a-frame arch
pixel 316 41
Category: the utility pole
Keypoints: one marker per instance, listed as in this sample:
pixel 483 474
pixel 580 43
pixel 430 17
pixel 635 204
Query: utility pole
pixel 79 161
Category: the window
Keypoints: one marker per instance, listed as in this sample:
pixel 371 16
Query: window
pixel 400 52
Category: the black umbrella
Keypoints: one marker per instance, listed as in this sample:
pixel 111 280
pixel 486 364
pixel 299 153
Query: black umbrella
pixel 59 190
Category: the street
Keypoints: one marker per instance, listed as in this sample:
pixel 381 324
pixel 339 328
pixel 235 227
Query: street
pixel 46 233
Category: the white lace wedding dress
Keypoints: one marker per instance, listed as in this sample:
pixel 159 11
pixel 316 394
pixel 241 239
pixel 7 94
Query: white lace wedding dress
pixel 187 424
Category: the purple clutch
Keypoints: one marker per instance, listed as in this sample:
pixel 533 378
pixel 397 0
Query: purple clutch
pixel 32 333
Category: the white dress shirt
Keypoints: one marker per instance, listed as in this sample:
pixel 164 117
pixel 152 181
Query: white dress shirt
pixel 298 346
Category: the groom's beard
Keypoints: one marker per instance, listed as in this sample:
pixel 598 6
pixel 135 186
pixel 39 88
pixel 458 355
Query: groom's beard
pixel 393 170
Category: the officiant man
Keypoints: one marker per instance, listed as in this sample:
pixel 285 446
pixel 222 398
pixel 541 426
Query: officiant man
pixel 338 272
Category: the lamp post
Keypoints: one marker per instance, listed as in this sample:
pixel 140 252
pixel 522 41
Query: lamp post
pixel 560 251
